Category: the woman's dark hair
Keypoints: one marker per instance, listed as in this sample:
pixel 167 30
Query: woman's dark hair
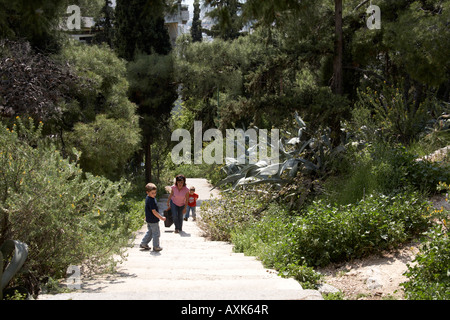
pixel 180 177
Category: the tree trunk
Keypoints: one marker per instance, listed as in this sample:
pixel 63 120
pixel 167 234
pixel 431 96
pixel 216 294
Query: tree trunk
pixel 337 83
pixel 148 159
pixel 4 228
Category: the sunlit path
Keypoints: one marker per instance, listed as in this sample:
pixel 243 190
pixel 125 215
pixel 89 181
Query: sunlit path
pixel 189 267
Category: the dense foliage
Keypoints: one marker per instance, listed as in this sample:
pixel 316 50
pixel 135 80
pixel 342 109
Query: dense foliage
pixel 65 216
pixel 143 40
pixel 32 83
pixel 356 108
pixel 101 121
pixel 325 233
pixel 429 276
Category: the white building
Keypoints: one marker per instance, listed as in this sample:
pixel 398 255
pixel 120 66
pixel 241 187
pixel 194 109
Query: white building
pixel 84 32
pixel 176 22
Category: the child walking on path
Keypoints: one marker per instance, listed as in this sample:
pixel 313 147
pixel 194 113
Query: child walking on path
pixel 192 203
pixel 152 218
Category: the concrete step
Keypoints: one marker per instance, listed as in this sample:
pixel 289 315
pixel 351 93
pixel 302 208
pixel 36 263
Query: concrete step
pixel 188 268
pixel 191 295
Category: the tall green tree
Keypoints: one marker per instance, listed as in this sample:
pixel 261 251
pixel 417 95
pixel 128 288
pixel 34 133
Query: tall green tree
pixel 88 8
pixel 408 51
pixel 226 13
pixel 406 56
pixel 100 121
pixel 140 28
pixel 104 25
pixel 196 29
pixel 273 12
pixel 33 20
pixel 338 78
pixel 313 57
pixel 143 40
pixel 280 14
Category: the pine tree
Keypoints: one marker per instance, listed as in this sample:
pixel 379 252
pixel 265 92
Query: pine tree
pixel 338 79
pixel 140 28
pixel 105 25
pixel 143 40
pixel 196 30
pixel 33 20
pixel 226 14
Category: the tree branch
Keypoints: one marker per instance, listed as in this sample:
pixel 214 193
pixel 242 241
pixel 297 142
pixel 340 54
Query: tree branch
pixel 361 4
pixel 368 72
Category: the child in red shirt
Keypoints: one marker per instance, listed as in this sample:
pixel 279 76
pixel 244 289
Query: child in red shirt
pixel 192 203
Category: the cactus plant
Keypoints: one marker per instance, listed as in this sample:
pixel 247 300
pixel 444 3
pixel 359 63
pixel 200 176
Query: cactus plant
pixel 292 159
pixel 17 260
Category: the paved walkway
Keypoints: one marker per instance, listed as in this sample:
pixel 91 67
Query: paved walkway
pixel 189 267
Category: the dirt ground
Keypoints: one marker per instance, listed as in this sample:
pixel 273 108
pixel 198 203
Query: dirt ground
pixel 372 278
pixel 376 277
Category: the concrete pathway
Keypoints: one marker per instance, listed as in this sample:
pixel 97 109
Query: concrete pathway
pixel 188 268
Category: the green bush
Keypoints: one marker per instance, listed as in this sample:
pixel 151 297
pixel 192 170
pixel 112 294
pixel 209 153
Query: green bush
pixel 65 216
pixel 221 216
pixel 106 145
pixel 380 168
pixel 429 276
pixel 319 235
pixel 391 117
pixel 270 239
pixel 323 233
pixel 326 233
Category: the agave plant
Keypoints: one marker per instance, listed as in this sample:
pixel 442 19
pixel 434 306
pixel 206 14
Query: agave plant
pixel 17 260
pixel 304 152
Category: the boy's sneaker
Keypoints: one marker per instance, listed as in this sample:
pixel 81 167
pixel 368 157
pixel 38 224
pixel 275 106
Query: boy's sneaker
pixel 157 249
pixel 144 246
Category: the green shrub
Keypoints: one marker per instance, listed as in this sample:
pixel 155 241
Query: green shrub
pixel 321 234
pixel 106 145
pixel 135 213
pixel 308 278
pixel 221 216
pixel 327 233
pixel 270 239
pixel 429 276
pixel 381 168
pixel 65 216
pixel 390 116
